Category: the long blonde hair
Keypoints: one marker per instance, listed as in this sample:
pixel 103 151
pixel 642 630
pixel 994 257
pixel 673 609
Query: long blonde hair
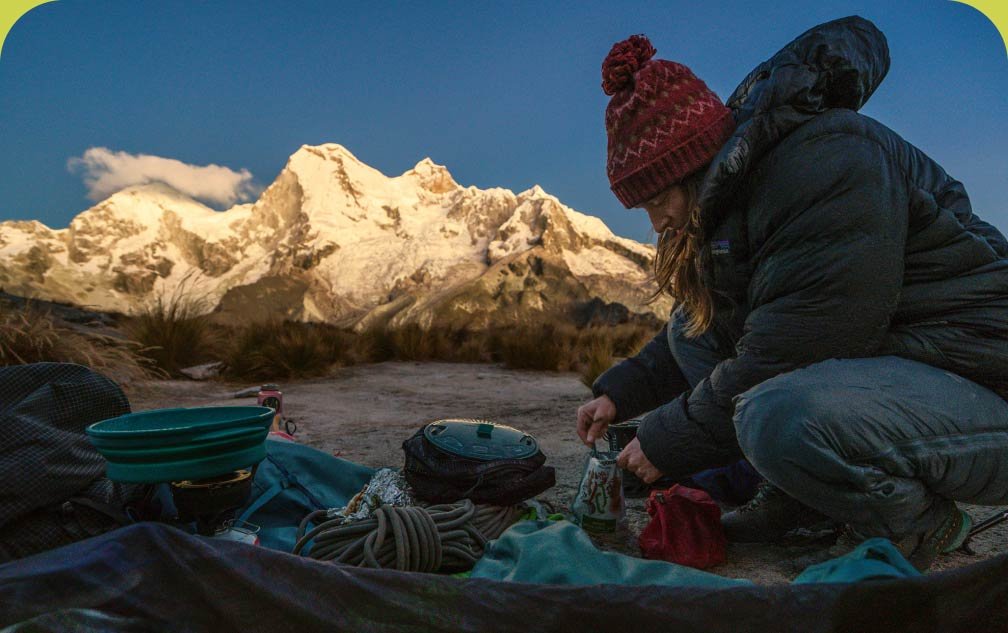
pixel 678 265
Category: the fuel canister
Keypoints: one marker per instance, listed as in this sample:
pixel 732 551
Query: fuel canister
pixel 271 396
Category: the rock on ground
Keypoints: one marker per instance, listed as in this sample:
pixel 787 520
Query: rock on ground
pixel 203 372
pixel 363 413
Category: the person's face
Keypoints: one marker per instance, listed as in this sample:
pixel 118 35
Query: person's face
pixel 668 210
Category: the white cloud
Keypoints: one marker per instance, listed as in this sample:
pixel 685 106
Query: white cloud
pixel 106 172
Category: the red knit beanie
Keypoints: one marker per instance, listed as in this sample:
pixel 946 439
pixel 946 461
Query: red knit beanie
pixel 663 123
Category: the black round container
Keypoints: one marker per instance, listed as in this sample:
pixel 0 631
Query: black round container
pixel 212 502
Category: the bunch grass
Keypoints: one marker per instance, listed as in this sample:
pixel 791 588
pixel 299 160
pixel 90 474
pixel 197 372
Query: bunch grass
pixel 175 329
pixel 29 334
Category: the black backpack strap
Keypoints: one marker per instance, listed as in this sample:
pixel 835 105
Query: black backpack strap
pixel 77 526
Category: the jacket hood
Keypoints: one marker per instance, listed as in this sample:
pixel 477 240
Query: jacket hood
pixel 838 64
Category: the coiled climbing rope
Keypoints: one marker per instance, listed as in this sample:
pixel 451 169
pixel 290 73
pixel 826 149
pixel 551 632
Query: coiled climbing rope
pixel 427 538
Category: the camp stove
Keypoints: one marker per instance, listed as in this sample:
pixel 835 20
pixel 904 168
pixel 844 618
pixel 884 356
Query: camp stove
pixel 212 503
pixel 204 458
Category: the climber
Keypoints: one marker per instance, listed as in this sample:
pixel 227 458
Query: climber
pixel 841 314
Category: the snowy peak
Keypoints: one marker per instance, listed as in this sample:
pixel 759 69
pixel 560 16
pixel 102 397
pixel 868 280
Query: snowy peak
pixel 432 177
pixel 534 192
pixel 329 151
pixel 318 167
pixel 139 200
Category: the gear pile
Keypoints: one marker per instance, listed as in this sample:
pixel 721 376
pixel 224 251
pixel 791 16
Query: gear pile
pixel 446 537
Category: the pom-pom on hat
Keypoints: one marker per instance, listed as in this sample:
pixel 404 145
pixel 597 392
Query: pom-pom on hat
pixel 663 123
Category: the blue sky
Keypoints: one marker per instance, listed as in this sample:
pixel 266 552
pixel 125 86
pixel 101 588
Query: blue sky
pixel 505 94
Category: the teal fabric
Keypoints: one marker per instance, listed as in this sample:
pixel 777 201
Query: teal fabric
pixel 298 479
pixel 559 552
pixel 875 559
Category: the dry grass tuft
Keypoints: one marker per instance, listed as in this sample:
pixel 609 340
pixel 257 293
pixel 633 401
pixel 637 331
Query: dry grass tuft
pixel 175 330
pixel 31 335
pixel 543 347
pixel 549 347
pixel 283 349
pixel 598 358
pixel 629 338
pixel 412 342
pixel 601 347
pixel 466 346
pixel 374 345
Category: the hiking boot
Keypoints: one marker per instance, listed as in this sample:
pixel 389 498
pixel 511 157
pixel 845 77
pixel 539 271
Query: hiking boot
pixel 769 516
pixel 921 549
pixel 949 535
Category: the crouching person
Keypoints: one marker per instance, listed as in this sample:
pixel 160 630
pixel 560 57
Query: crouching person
pixel 841 314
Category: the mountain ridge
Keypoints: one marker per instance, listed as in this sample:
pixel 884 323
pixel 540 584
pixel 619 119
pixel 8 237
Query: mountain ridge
pixel 333 239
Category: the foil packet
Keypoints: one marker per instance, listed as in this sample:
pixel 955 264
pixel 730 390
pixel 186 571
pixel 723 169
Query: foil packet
pixel 387 486
pixel 599 505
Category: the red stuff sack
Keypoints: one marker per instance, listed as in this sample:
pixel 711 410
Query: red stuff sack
pixel 685 528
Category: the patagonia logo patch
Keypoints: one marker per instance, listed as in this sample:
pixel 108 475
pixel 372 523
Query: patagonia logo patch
pixel 720 247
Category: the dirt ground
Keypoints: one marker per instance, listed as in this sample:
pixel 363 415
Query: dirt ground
pixel 363 413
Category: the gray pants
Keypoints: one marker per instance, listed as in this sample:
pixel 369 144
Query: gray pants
pixel 877 443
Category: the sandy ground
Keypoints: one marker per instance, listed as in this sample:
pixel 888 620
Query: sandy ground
pixel 364 413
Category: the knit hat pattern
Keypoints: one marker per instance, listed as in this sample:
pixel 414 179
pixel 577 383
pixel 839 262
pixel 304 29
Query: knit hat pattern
pixel 663 123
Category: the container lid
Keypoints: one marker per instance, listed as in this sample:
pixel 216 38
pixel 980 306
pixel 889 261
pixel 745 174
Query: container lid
pixel 159 423
pixel 182 443
pixel 480 439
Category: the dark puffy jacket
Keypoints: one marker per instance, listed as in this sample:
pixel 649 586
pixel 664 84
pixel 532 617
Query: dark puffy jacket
pixel 828 236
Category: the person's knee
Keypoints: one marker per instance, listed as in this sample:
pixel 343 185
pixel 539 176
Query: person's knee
pixel 773 423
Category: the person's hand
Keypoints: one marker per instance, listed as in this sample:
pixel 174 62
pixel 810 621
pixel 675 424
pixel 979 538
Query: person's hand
pixel 593 418
pixel 633 459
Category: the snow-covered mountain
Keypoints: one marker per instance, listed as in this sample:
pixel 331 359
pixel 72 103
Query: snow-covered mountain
pixel 335 240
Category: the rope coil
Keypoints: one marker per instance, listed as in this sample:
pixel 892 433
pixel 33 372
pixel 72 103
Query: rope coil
pixel 425 538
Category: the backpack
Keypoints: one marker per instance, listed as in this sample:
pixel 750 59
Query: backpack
pixel 442 477
pixel 293 481
pixel 53 489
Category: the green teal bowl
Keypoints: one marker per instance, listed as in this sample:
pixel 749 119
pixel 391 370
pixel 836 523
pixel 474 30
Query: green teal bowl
pixel 184 443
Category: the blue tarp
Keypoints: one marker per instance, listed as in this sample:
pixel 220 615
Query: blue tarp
pixel 150 577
